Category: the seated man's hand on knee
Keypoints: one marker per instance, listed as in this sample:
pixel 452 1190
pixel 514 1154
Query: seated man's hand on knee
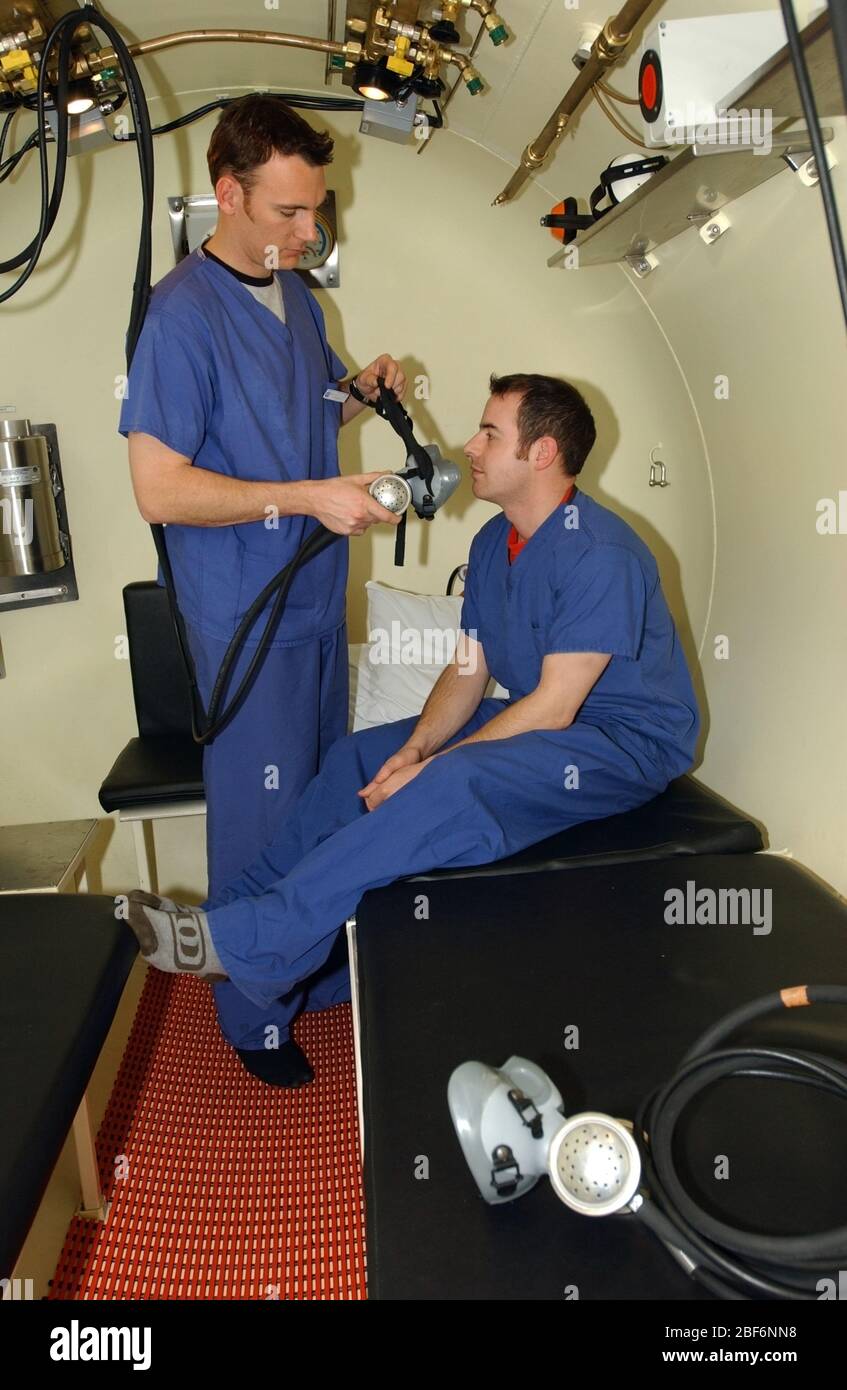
pixel 396 771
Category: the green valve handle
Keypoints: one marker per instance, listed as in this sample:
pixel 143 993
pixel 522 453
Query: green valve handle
pixel 499 34
pixel 474 85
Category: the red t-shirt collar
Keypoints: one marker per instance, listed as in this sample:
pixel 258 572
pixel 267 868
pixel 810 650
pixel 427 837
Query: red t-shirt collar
pixel 516 544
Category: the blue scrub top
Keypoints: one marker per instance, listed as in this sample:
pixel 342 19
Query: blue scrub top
pixel 585 582
pixel 219 378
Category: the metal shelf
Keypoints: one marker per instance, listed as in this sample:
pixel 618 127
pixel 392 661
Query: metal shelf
pixel 701 180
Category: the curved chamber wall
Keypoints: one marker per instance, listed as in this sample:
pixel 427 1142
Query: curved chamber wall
pixel 756 324
pixel 458 289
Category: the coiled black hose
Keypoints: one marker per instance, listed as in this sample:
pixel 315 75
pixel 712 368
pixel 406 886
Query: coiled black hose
pixel 730 1262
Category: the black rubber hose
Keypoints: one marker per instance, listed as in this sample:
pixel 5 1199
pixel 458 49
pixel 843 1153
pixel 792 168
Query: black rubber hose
pixel 729 1261
pixel 665 1115
pixel 766 1004
pixel 317 540
pixel 140 301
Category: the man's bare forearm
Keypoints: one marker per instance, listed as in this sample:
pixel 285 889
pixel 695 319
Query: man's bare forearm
pixel 453 699
pixel 201 497
pixel 533 712
pixel 351 407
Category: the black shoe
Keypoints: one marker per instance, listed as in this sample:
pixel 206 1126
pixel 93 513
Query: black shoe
pixel 285 1065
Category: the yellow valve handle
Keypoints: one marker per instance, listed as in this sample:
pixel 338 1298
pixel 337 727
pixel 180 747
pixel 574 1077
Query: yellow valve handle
pixel 15 61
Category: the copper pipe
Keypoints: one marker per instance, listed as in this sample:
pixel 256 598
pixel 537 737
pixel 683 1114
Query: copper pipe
pixel 234 36
pixel 607 48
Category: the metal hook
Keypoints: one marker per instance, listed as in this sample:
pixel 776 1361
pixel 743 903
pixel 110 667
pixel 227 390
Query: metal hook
pixel 658 473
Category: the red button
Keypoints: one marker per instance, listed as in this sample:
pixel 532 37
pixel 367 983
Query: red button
pixel 649 86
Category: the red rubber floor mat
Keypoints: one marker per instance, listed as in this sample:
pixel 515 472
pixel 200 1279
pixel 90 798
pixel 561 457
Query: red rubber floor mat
pixel 222 1187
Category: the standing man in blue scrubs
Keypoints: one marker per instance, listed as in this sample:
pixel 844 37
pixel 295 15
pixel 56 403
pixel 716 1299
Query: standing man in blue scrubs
pixel 232 414
pixel 564 606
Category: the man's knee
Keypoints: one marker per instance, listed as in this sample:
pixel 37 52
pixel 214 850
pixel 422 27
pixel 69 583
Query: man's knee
pixel 374 746
pixel 359 756
pixel 338 751
pixel 340 760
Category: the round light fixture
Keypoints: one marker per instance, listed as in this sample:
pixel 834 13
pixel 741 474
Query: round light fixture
pixel 80 98
pixel 375 81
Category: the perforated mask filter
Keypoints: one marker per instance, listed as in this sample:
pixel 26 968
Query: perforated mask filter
pixel 594 1164
pixel 392 492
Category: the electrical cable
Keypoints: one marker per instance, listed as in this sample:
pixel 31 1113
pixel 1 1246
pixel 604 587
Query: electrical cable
pixel 9 165
pixel 302 100
pixel 807 100
pixel 62 33
pixel 5 131
pixel 736 1263
pixel 838 20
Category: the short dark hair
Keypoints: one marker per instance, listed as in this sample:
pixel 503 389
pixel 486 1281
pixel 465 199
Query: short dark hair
pixel 255 127
pixel 550 406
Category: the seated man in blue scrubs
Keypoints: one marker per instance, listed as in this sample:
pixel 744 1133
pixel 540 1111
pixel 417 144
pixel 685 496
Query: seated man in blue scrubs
pixel 563 605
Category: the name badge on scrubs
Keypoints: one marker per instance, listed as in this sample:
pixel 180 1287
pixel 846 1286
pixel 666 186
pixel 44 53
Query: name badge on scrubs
pixel 332 395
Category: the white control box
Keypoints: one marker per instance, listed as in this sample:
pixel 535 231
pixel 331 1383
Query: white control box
pixel 693 69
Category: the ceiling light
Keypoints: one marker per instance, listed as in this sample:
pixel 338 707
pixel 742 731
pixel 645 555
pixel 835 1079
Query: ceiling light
pixel 375 82
pixel 80 97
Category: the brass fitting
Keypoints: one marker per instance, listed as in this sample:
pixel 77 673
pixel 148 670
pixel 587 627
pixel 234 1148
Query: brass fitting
pixel 609 43
pixel 103 58
pixel 497 30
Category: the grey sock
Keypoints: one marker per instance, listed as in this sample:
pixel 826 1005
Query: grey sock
pixel 173 938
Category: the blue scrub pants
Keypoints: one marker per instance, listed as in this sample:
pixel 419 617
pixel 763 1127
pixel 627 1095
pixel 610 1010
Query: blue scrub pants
pixel 254 773
pixel 274 925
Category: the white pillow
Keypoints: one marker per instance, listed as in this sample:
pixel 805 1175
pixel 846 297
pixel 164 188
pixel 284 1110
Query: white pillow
pixel 407 629
pixel 381 694
pixel 411 638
